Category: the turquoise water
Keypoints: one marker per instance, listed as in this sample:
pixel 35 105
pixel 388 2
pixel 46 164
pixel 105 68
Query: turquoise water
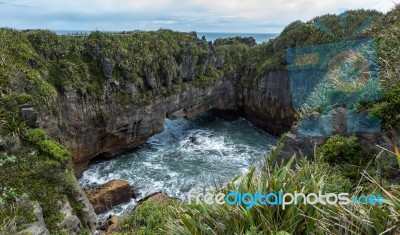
pixel 198 153
pixel 259 37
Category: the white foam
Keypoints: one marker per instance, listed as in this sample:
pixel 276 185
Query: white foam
pixel 174 163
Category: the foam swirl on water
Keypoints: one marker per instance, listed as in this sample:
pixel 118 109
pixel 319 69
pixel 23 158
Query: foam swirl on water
pixel 198 153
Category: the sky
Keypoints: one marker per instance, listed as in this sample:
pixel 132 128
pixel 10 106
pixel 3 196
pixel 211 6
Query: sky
pixel 239 16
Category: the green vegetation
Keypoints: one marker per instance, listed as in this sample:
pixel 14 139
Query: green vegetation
pixel 340 164
pixel 38 65
pixel 16 210
pixel 236 58
pixel 226 219
pixel 149 218
pixel 340 149
pixel 303 177
pixel 387 108
pixel 54 150
pixel 248 41
pixel 38 173
pixel 295 219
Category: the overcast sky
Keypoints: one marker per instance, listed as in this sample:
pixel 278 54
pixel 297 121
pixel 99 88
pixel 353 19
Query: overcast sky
pixel 248 16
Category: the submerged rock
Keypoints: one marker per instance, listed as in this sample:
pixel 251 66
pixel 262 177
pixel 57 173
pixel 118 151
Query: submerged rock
pixel 113 193
pixel 193 140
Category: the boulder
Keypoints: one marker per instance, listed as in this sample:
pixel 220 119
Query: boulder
pixel 3 144
pixel 29 115
pixel 113 193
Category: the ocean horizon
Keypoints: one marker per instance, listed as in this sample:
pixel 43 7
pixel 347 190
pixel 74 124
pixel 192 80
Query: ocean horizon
pixel 210 36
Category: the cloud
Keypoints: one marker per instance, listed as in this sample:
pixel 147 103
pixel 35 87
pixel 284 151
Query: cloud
pixel 14 3
pixel 199 15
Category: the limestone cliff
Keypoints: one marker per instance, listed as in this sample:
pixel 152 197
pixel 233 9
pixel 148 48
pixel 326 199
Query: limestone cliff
pixel 268 104
pixel 103 94
pixel 105 129
pixel 134 97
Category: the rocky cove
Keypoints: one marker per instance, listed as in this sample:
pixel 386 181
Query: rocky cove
pixel 204 152
pixel 77 101
pixel 103 94
pixel 104 128
pixel 123 127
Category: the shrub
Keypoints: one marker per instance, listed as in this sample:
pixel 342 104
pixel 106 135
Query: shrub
pixel 150 217
pixel 55 150
pixel 34 136
pixel 337 183
pixel 387 110
pixel 15 211
pixel 37 179
pixel 16 99
pixel 6 159
pixel 122 98
pixel 339 149
pixel 13 127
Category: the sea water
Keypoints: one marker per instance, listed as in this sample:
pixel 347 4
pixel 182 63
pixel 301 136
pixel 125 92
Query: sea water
pixel 210 36
pixel 200 153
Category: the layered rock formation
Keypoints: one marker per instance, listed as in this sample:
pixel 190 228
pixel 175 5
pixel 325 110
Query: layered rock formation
pixel 114 193
pixel 93 129
pixel 193 81
pixel 268 104
pixel 104 130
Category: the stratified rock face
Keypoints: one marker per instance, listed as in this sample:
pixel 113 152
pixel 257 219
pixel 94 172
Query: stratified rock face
pixel 103 128
pixel 131 106
pixel 268 104
pixel 114 193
